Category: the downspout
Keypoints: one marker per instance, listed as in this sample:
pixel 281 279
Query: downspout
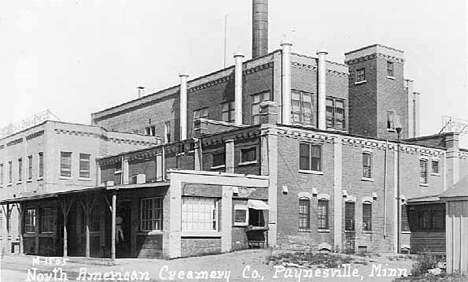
pixel 385 191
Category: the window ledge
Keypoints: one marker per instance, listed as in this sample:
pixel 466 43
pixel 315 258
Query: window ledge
pixel 423 184
pixel 390 77
pixel 154 232
pixel 65 177
pixel 40 178
pixel 324 231
pixel 19 182
pixel 367 232
pixel 29 180
pixel 218 167
pixel 405 232
pixel 9 184
pixel 84 179
pixel 304 230
pixel 435 174
pixel 200 234
pixel 118 172
pixel 367 179
pixel 350 231
pixel 239 224
pixel 360 82
pixel 311 172
pixel 247 163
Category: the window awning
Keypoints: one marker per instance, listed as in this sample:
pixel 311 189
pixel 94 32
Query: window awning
pixel 257 205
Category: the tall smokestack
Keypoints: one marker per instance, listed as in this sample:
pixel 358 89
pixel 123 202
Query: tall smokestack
pixel 259 28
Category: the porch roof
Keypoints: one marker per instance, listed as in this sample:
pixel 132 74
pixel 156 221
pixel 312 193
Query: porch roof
pixel 424 199
pixel 459 189
pixel 32 197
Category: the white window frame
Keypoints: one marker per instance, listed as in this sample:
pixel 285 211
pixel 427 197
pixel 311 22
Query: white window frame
pixel 89 165
pixel 190 219
pixel 245 162
pixel 63 168
pixel 241 207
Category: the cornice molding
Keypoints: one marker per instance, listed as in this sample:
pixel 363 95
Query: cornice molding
pixel 373 56
pixel 207 83
pixel 314 68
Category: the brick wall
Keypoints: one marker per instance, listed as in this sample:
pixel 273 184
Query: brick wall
pixel 359 189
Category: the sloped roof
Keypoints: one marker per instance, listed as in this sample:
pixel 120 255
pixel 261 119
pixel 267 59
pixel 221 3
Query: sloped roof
pixel 459 189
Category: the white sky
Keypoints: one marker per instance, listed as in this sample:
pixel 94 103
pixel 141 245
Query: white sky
pixel 82 56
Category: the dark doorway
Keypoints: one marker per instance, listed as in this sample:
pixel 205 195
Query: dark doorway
pixel 123 229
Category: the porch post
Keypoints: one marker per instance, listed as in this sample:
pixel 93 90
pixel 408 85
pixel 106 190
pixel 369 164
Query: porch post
pixel 66 206
pixel 114 212
pixel 87 237
pixel 20 227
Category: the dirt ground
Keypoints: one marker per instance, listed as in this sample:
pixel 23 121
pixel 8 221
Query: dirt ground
pixel 248 265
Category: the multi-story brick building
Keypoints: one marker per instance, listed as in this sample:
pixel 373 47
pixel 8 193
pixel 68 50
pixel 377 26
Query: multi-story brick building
pixel 49 159
pixel 331 150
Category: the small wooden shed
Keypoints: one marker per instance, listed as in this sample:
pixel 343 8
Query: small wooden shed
pixel 456 202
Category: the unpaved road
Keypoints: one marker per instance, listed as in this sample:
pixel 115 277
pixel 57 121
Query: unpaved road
pixel 248 265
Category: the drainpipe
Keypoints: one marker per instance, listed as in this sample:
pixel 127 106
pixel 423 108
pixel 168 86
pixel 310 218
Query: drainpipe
pixel 286 81
pixel 183 106
pixel 322 91
pixel 238 88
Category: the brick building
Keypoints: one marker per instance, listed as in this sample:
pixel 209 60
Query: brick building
pixel 41 162
pixel 286 149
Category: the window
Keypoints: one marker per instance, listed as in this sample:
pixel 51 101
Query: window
pixel 335 113
pixel 200 113
pixel 41 165
pixel 310 157
pixel 30 220
pixel 404 219
pixel 360 75
pixel 423 171
pixel 248 155
pixel 10 172
pixel 322 214
pixel 304 214
pixel 1 174
pixel 241 215
pixel 391 121
pixel 85 165
pixel 435 166
pixel 151 214
pixel 47 219
pixel 218 159
pixel 30 167
pixel 20 169
pixel 437 219
pixel 367 216
pixel 65 164
pixel 227 110
pixel 199 214
pixel 301 107
pixel 150 130
pixel 167 132
pixel 367 165
pixel 256 100
pixel 425 219
pixel 349 216
pixel 390 70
